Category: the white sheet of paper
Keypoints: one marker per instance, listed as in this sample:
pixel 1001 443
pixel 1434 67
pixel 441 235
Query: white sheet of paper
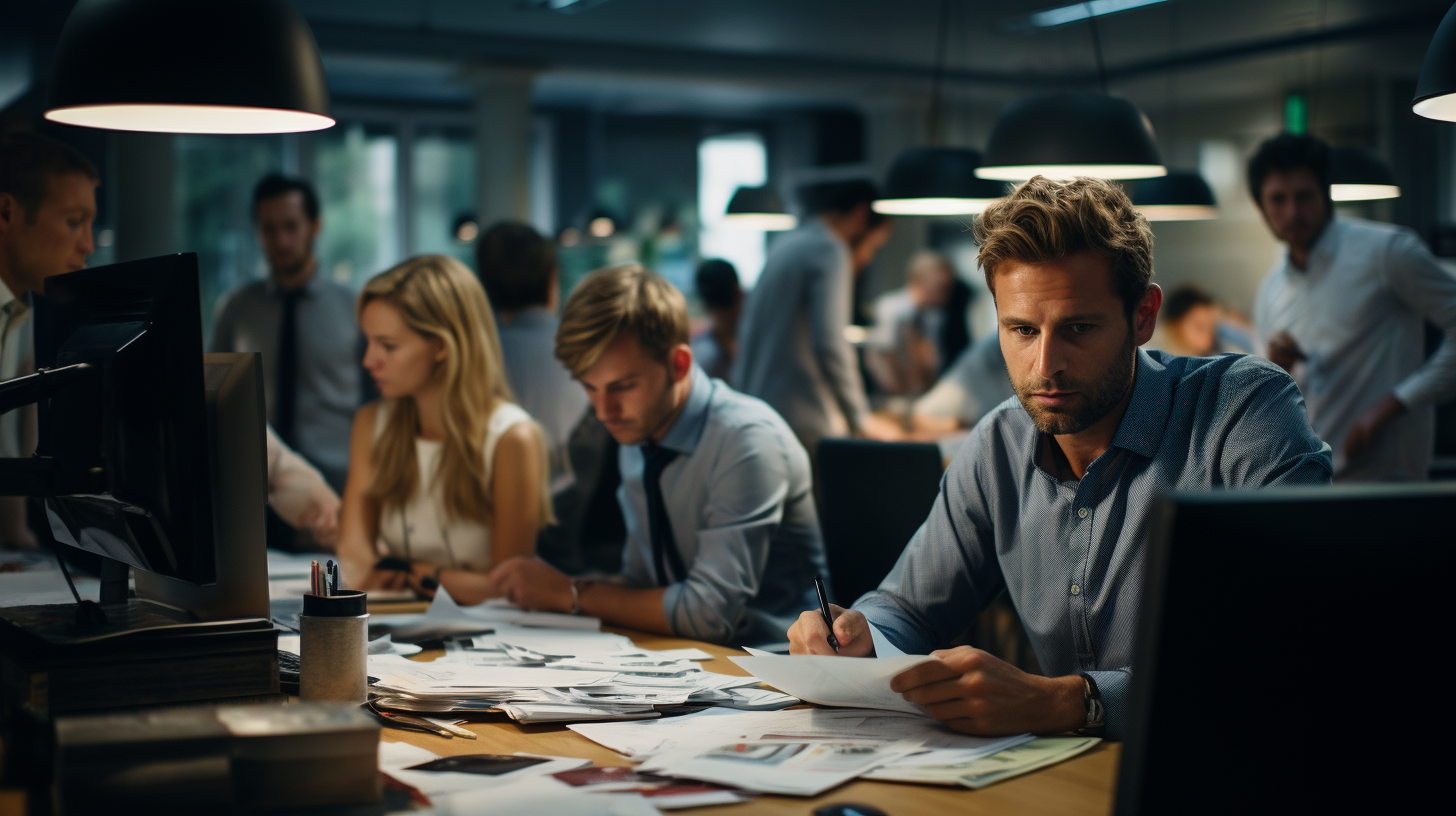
pixel 396 758
pixel 853 682
pixel 539 795
pixel 883 646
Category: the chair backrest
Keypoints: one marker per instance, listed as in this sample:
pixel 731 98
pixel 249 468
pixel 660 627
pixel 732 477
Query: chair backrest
pixel 874 496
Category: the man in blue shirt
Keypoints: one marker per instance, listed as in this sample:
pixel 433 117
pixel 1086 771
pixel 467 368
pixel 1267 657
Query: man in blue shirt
pixel 1052 495
pixel 715 487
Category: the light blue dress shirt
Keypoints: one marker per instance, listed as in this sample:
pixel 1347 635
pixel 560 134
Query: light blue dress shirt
pixel 740 499
pixel 1070 553
pixel 330 358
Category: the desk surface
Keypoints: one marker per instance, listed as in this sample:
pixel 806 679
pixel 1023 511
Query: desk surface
pixel 1080 785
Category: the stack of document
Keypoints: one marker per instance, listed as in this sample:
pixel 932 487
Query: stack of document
pixel 802 752
pixel 537 673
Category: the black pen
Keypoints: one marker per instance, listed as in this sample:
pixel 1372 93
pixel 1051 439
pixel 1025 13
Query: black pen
pixel 824 610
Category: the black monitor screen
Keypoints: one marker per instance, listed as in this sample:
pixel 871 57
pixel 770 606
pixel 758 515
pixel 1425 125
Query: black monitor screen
pixel 132 434
pixel 1288 653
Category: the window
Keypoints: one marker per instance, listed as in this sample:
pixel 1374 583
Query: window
pixel 355 169
pixel 213 183
pixel 726 163
pixel 443 179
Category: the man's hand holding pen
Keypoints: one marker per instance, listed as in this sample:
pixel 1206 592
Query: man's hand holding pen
pixel 810 635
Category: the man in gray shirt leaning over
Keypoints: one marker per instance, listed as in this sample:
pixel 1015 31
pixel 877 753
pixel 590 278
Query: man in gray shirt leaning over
pixel 792 352
pixel 722 537
pixel 1052 494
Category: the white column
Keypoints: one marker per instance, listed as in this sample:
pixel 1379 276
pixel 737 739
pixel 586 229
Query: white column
pixel 503 142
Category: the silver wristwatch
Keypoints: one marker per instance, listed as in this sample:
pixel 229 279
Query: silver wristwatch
pixel 1096 712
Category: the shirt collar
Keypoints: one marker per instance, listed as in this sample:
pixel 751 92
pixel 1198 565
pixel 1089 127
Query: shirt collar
pixel 818 224
pixel 1324 250
pixel 11 305
pixel 308 289
pixel 532 317
pixel 687 429
pixel 1141 429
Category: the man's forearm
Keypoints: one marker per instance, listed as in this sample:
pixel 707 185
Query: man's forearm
pixel 628 607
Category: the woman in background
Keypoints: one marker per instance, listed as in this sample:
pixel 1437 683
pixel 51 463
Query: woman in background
pixel 447 476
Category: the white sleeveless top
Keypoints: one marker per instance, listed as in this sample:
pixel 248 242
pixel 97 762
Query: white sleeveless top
pixel 419 531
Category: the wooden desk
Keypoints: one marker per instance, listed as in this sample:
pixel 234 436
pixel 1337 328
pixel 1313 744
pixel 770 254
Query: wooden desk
pixel 1082 785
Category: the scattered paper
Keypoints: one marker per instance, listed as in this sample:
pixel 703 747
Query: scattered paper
pixel 853 682
pixel 397 759
pixel 540 795
pixel 795 767
pixel 982 771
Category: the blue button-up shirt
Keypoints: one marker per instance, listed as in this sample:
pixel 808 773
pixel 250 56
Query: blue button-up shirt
pixel 740 499
pixel 1070 553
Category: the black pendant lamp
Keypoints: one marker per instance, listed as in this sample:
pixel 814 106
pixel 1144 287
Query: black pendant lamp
pixel 1062 137
pixel 937 181
pixel 758 208
pixel 1357 174
pixel 1436 90
pixel 1182 195
pixel 188 66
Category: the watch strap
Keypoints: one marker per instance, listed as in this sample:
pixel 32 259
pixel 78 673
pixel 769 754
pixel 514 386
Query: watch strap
pixel 1096 711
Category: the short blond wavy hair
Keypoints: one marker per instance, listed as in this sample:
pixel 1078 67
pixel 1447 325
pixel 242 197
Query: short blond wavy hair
pixel 626 297
pixel 1045 220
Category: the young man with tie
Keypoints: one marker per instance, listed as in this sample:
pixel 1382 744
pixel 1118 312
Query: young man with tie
pixel 715 487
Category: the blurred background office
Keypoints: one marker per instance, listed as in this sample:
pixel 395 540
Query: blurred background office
pixel 621 130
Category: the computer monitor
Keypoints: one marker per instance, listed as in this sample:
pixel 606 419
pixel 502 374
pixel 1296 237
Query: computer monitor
pixel 148 456
pixel 1288 652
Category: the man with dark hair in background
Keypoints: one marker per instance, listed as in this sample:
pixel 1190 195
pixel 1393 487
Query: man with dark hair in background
pixel 714 349
pixel 303 324
pixel 1344 312
pixel 792 352
pixel 47 204
pixel 518 269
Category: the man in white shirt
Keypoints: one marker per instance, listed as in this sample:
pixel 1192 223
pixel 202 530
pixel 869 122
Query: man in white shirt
pixel 47 204
pixel 1344 312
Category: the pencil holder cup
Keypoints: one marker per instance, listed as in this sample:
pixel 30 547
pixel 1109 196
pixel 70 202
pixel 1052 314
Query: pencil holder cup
pixel 334 648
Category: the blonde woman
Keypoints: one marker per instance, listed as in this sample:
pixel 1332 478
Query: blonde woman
pixel 447 476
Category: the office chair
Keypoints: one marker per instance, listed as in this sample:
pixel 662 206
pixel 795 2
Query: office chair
pixel 874 496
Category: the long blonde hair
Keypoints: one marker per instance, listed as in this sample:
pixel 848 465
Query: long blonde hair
pixel 438 297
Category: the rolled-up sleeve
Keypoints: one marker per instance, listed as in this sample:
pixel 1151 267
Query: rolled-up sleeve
pixel 744 510
pixel 1419 280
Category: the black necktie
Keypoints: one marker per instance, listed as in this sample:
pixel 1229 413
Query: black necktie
pixel 665 557
pixel 285 393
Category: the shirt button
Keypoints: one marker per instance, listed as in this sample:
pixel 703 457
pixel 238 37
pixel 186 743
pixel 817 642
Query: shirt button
pixel 1076 590
pixel 1082 512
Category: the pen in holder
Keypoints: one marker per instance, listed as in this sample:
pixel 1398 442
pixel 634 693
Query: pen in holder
pixel 332 663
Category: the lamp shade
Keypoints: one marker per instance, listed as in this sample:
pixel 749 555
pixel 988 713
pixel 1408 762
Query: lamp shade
pixel 937 181
pixel 758 208
pixel 1356 174
pixel 1436 89
pixel 1182 195
pixel 186 66
pixel 1062 137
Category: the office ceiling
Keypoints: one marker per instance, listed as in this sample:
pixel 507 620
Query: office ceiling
pixel 743 55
